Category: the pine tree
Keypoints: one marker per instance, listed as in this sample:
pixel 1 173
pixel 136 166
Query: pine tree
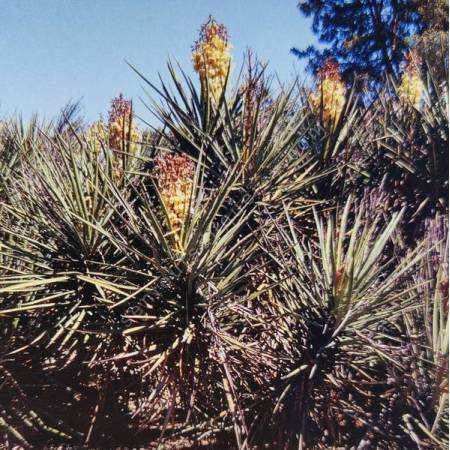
pixel 366 37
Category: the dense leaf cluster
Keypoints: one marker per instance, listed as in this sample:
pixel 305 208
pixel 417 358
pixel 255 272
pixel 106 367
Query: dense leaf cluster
pixel 302 303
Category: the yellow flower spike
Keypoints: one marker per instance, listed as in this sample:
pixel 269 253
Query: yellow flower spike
pixel 174 174
pixel 329 96
pixel 211 57
pixel 97 135
pixel 121 125
pixel 411 85
pixel 119 132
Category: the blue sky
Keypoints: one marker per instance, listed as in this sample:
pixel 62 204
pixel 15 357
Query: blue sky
pixel 54 51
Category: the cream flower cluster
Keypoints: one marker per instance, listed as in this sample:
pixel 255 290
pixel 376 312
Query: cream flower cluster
pixel 411 84
pixel 329 96
pixel 121 126
pixel 120 132
pixel 211 57
pixel 97 135
pixel 174 174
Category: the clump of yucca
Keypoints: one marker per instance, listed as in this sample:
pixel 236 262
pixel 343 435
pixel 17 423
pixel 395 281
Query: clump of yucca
pixel 411 85
pixel 329 97
pixel 211 57
pixel 215 301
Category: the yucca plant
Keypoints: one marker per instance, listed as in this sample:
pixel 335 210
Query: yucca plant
pixel 406 151
pixel 190 230
pixel 425 351
pixel 184 312
pixel 334 301
pixel 56 320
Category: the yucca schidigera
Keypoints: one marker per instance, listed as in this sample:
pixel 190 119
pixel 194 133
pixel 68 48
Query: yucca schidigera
pixel 329 97
pixel 205 301
pixel 211 57
pixel 411 86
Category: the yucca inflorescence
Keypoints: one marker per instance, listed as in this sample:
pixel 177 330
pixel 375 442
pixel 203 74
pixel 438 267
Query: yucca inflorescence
pixel 174 175
pixel 97 134
pixel 118 138
pixel 254 90
pixel 122 128
pixel 211 57
pixel 329 97
pixel 411 85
